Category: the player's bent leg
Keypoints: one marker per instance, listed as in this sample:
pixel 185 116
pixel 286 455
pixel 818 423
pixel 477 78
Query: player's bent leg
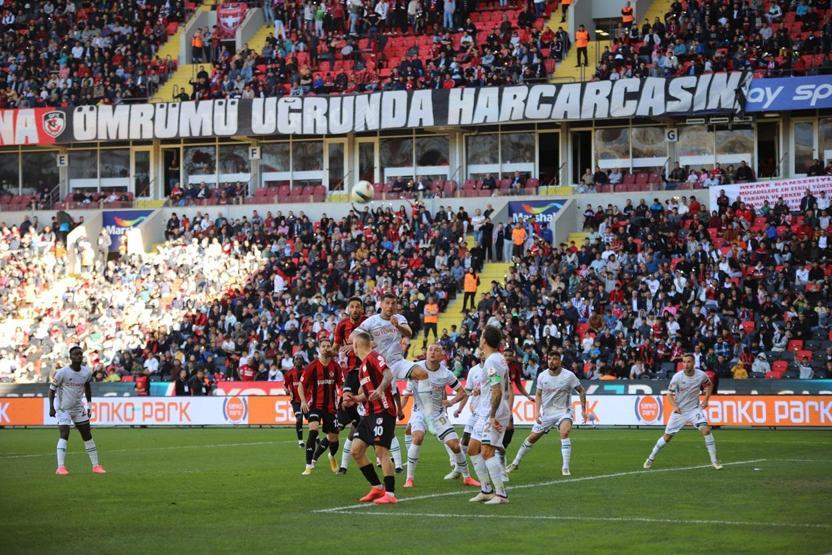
pixel 89 446
pixel 417 437
pixel 525 447
pixel 494 469
pixel 710 445
pixel 63 440
pixel 662 441
pixel 565 446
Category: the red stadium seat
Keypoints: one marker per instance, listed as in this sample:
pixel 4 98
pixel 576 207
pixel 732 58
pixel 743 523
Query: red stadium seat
pixel 795 345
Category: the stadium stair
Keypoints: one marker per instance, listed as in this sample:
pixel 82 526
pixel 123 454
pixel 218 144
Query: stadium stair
pixel 566 72
pixel 184 72
pixel 492 271
pixel 578 236
pixel 657 9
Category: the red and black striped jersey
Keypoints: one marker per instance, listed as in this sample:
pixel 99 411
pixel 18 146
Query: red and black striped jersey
pixel 291 381
pixel 320 385
pixel 370 374
pixel 342 335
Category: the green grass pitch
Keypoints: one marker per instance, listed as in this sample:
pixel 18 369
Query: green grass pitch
pixel 240 490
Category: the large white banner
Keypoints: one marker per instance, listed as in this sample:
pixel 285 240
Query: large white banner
pixel 792 190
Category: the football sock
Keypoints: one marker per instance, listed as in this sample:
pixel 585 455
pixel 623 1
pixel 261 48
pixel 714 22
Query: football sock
pixel 299 427
pixel 333 447
pixel 461 463
pixel 62 451
pixel 495 471
pixel 482 473
pixel 346 453
pixel 451 455
pixel 322 446
pixel 310 445
pixel 369 472
pixel 658 447
pixel 710 444
pixel 412 460
pixel 396 452
pixel 525 447
pixel 566 451
pixel 408 441
pixel 92 451
pixel 466 437
pixel 507 437
pixel 390 484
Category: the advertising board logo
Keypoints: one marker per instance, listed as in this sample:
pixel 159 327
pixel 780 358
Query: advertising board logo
pixel 535 210
pixel 54 123
pixel 541 211
pixel 648 409
pixel 121 222
pixel 235 409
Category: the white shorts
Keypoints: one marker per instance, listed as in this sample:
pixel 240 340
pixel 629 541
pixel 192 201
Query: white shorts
pixel 401 368
pixel 486 434
pixel 677 421
pixel 441 427
pixel 469 426
pixel 550 421
pixel 77 415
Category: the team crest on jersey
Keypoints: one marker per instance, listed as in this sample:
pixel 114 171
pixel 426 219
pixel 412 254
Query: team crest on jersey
pixel 379 421
pixel 54 123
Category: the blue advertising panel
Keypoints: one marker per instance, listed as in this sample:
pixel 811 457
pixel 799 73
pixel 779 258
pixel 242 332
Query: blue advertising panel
pixel 790 93
pixel 117 222
pixel 540 210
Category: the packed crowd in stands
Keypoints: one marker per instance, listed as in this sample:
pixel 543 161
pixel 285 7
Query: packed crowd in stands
pixel 768 37
pixel 330 47
pixel 233 299
pixel 68 53
pixel 112 309
pixel 618 180
pixel 748 292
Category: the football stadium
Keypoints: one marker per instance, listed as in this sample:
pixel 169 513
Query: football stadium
pixel 276 264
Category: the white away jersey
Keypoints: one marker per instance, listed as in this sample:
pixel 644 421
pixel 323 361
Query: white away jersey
pixel 430 401
pixel 687 389
pixel 495 372
pixel 556 391
pixel 387 337
pixel 474 378
pixel 68 386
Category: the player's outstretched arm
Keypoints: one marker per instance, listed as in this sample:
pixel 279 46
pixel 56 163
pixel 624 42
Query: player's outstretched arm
pixel 461 395
pixel 461 406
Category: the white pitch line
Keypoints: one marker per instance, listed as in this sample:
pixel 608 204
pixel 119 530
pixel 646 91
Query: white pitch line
pixel 541 484
pixel 108 451
pixel 595 519
pixel 802 460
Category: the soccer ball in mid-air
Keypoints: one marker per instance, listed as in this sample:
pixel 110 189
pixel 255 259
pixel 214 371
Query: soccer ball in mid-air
pixel 362 191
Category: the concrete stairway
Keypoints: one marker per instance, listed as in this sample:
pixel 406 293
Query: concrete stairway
pixel 492 271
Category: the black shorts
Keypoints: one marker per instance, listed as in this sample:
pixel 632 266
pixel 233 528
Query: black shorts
pixel 348 417
pixel 327 420
pixel 296 408
pixel 377 429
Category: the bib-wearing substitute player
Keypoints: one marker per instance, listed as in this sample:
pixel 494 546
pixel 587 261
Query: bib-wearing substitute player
pixel 683 395
pixel 431 414
pixel 291 383
pixel 553 408
pixel 318 393
pixel 493 416
pixel 69 386
pixel 348 414
pixel 378 425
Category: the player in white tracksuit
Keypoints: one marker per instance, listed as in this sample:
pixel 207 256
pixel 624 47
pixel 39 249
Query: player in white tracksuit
pixel 683 396
pixel 69 386
pixel 431 414
pixel 553 408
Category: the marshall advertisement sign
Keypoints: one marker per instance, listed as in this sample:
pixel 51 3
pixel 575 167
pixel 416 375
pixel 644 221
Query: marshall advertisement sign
pixel 334 115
